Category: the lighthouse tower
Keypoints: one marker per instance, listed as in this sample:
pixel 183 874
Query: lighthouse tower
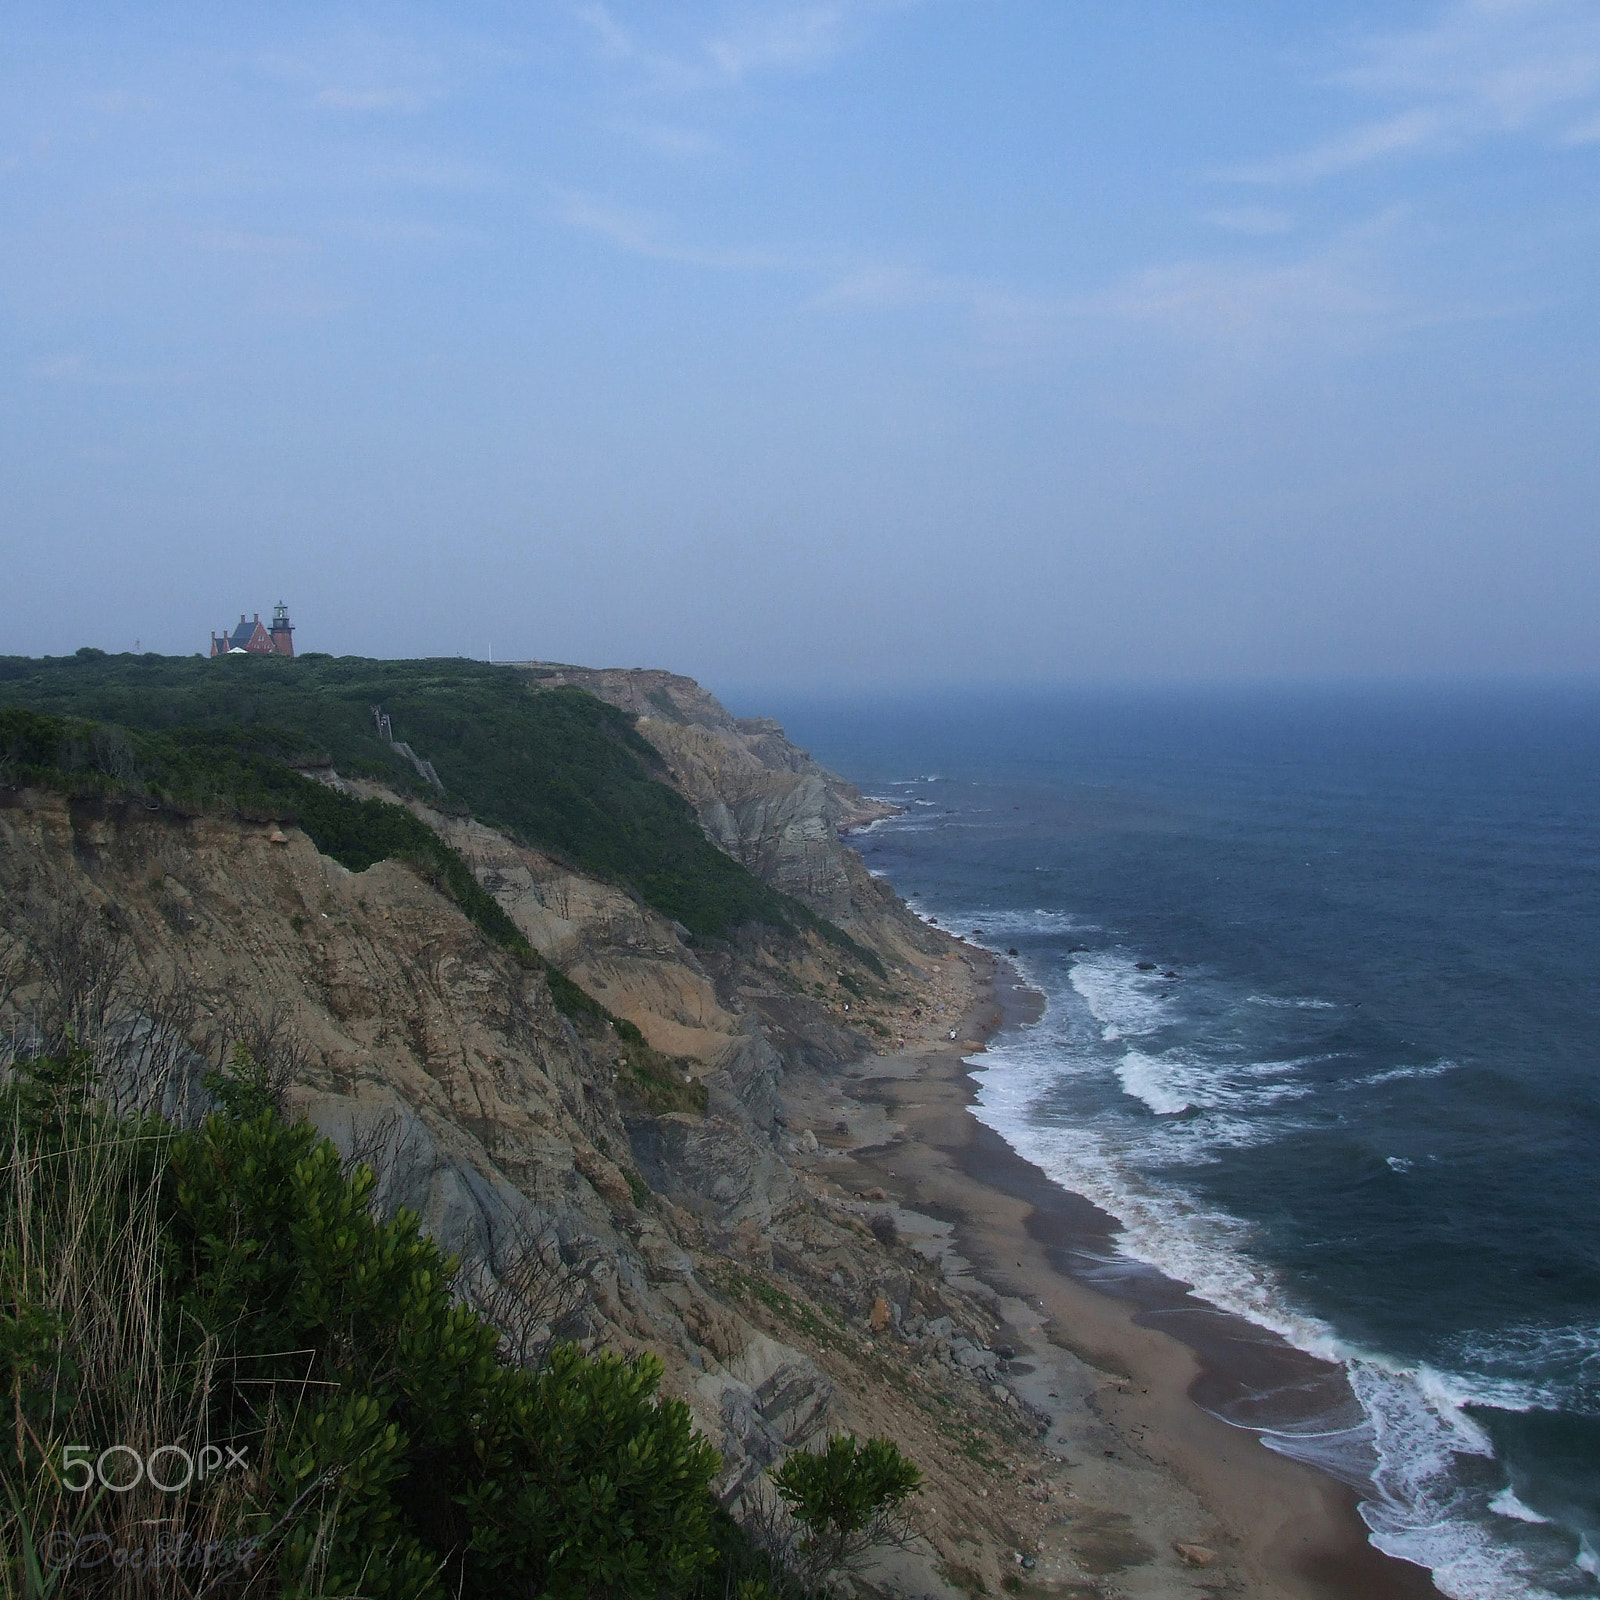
pixel 282 631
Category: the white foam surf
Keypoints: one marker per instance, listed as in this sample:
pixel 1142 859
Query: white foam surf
pixel 1153 1082
pixel 1420 1506
pixel 1015 923
pixel 1566 1356
pixel 1427 1508
pixel 1172 1083
pixel 1162 1223
pixel 1436 1069
pixel 1506 1504
pixel 1125 1002
pixel 1290 1003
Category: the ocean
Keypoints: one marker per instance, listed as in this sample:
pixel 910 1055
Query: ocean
pixel 1321 978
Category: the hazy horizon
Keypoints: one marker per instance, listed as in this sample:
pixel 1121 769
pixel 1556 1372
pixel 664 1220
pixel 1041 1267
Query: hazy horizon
pixel 872 342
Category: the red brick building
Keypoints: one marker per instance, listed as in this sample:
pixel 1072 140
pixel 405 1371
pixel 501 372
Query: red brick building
pixel 257 638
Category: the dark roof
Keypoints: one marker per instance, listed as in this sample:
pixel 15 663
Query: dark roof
pixel 242 635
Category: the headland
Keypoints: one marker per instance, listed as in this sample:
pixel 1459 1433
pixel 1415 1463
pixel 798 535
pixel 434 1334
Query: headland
pixel 673 1051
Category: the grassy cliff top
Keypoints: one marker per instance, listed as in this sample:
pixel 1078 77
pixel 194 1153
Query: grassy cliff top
pixel 556 768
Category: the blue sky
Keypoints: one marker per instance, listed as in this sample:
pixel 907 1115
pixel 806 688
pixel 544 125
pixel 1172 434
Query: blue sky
pixel 872 341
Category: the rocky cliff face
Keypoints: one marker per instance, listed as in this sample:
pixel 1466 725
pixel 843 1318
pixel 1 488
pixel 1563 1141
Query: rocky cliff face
pixel 525 1144
pixel 760 798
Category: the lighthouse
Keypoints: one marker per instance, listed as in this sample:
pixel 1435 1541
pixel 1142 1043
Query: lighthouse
pixel 282 631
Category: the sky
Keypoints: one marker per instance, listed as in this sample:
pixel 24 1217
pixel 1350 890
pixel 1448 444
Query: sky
pixel 856 342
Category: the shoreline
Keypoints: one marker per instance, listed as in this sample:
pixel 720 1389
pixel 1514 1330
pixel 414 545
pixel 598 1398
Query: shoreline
pixel 1168 1498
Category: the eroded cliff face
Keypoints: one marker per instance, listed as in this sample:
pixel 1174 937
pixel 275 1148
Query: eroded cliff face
pixel 761 799
pixel 780 1312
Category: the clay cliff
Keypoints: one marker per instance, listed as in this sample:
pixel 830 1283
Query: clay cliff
pixel 759 797
pixel 689 1209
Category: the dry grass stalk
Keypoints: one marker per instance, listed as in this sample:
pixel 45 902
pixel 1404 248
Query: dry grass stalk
pixel 82 1243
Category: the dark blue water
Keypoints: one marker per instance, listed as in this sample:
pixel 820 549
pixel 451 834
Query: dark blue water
pixel 1321 970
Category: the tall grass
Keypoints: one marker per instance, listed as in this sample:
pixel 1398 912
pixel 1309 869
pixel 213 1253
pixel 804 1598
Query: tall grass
pixel 82 1256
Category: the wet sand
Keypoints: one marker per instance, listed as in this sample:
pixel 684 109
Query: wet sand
pixel 1167 1499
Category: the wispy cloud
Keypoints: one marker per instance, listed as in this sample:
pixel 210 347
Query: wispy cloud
pixel 392 232
pixel 668 138
pixel 388 99
pixel 1337 294
pixel 365 74
pixel 1261 221
pixel 270 246
pixel 894 286
pixel 1583 133
pixel 793 39
pixel 1411 130
pixel 74 367
pixel 757 38
pixel 613 39
pixel 117 102
pixel 641 234
pixel 69 367
pixel 1485 68
pixel 1511 62
pixel 1232 300
pixel 425 171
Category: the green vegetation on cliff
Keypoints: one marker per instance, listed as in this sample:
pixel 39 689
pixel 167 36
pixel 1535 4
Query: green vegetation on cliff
pixel 555 768
pixel 218 771
pixel 213 1323
pixel 226 1374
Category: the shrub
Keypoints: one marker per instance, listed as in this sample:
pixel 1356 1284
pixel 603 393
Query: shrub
pixel 229 1284
pixel 656 1082
pixel 847 1499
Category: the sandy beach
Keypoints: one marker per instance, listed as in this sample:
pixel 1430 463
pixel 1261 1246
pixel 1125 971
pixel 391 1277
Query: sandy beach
pixel 1159 1498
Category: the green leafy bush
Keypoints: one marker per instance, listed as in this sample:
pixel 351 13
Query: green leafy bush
pixel 393 1453
pixel 846 1498
pixel 657 1081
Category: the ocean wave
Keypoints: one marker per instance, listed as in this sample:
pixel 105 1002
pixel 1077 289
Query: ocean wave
pixel 1017 923
pixel 861 829
pixel 1154 1083
pixel 1506 1504
pixel 1124 1001
pixel 1282 1003
pixel 1421 1504
pixel 1400 1074
pixel 1494 1367
pixel 1430 1509
pixel 1171 1084
pixel 1162 1224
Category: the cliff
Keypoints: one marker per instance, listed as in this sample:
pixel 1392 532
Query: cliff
pixel 759 797
pixel 685 1198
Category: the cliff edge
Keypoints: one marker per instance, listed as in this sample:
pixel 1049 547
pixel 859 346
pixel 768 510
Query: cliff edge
pixel 680 1193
